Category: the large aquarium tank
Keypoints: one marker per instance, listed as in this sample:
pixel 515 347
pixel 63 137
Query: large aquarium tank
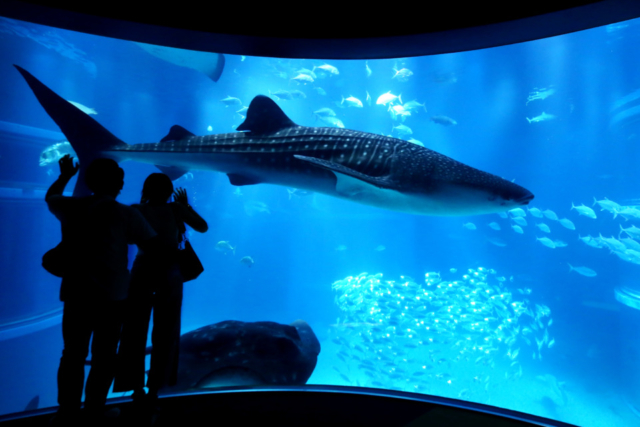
pixel 532 309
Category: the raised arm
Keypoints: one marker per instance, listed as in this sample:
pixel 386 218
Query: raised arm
pixel 67 171
pixel 189 215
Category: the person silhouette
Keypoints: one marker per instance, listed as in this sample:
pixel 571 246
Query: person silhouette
pixel 156 285
pixel 96 231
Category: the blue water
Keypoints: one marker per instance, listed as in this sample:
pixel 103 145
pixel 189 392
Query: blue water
pixel 304 243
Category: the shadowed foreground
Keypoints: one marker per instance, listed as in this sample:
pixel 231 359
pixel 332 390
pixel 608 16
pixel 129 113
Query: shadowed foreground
pixel 305 406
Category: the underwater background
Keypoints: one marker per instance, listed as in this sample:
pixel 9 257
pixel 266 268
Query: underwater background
pixel 525 310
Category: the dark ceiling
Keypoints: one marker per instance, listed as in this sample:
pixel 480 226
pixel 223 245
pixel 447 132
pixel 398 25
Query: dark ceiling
pixel 326 29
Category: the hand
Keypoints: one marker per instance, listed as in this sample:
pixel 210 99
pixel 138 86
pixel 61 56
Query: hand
pixel 67 168
pixel 180 196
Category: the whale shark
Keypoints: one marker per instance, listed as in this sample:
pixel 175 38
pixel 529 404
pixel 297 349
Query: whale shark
pixel 270 148
pixel 235 353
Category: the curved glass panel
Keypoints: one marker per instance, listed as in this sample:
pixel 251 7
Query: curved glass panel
pixel 533 310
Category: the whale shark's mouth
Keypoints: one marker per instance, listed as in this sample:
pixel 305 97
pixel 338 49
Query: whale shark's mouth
pixel 231 376
pixel 524 200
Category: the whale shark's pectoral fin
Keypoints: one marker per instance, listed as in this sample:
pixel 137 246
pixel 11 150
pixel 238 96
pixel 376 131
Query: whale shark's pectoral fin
pixel 350 183
pixel 172 172
pixel 239 180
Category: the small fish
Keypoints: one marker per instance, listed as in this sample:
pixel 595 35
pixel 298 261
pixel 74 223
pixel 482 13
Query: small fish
pixel 352 101
pixel 297 192
pixel 303 78
pixel 367 69
pixel 328 68
pixel 224 246
pixel 535 212
pixel 443 120
pixel 550 214
pixel 559 243
pixel 210 128
pixel 551 343
pixel 469 226
pixel 368 98
pixel 541 118
pixel 517 229
pixel 626 212
pixel 582 270
pixel 547 242
pixel 248 261
pixel 415 141
pixel 242 58
pixel 55 152
pixel 282 94
pixel 630 243
pixel 517 212
pixel 334 121
pixel 298 94
pixel 591 241
pixel 230 100
pixel 237 192
pixel 633 231
pixel 495 226
pixel 388 97
pixel 498 242
pixel 567 223
pixel 320 91
pixel 402 75
pixel 544 227
pixel 606 204
pixel 324 112
pixel 344 377
pixel 540 94
pixel 453 270
pixel 403 130
pixel 83 108
pixel 584 210
pixel 414 105
pixel 520 221
pixel 307 72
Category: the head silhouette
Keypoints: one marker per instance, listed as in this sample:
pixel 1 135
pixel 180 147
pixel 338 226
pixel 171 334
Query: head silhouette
pixel 104 177
pixel 157 188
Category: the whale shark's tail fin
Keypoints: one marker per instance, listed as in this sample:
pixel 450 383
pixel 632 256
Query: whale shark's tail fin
pixel 88 138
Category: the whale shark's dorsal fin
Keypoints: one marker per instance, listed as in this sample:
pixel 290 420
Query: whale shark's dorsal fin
pixel 177 133
pixel 264 116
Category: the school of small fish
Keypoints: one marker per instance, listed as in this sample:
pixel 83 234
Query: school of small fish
pixel 312 77
pixel 626 246
pixel 408 336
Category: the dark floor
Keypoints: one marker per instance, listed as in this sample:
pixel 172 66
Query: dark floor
pixel 305 406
